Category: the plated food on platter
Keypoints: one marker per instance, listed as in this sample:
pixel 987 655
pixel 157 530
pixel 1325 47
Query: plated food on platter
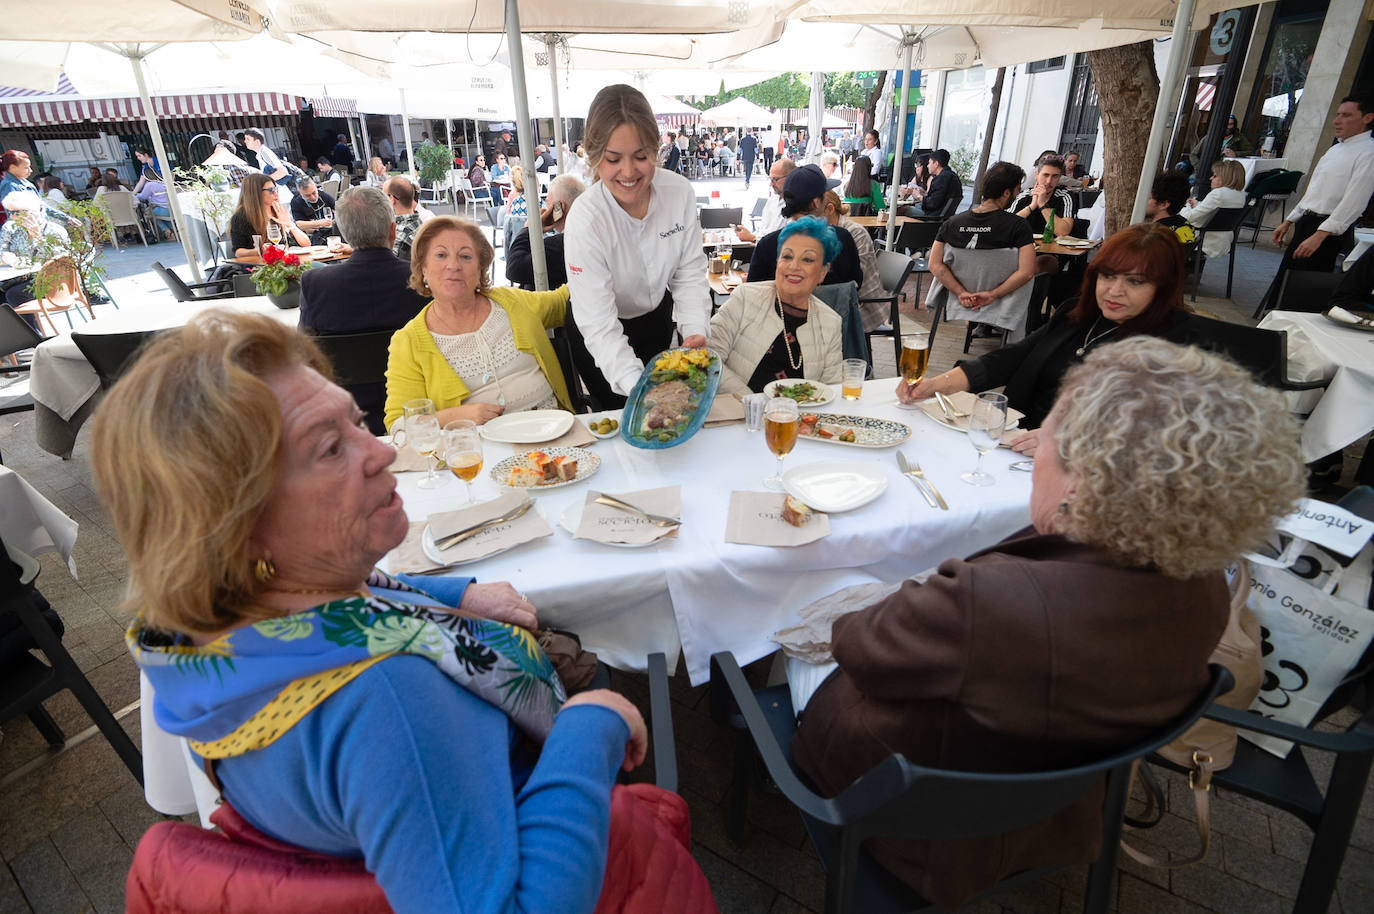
pixel 854 431
pixel 806 393
pixel 546 469
pixel 670 401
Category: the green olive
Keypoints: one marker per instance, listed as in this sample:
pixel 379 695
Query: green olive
pixel 664 436
pixel 613 425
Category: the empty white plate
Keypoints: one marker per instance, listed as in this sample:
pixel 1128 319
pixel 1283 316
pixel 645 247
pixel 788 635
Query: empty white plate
pixel 834 486
pixel 528 427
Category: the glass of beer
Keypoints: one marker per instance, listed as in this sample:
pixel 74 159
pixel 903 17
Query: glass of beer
pixel 852 378
pixel 915 357
pixel 781 420
pixel 463 451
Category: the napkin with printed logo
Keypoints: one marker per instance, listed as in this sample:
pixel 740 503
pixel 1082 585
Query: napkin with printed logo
pixel 491 540
pixel 606 524
pixel 726 409
pixel 409 557
pixel 577 436
pixel 755 519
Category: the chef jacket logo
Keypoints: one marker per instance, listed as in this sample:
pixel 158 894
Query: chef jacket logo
pixel 677 227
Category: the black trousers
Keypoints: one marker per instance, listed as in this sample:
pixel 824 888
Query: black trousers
pixel 1323 261
pixel 767 157
pixel 21 292
pixel 648 335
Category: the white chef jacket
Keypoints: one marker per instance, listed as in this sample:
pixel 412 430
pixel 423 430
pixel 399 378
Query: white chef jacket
pixel 1341 184
pixel 875 155
pixel 619 267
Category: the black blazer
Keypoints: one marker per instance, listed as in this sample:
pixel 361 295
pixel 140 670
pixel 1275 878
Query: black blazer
pixel 763 267
pixel 366 292
pixel 520 265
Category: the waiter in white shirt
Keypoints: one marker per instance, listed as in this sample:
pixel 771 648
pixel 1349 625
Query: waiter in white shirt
pixel 874 151
pixel 1337 193
pixel 636 266
pixel 772 219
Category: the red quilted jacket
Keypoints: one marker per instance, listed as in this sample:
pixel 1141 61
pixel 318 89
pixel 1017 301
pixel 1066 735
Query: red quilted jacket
pixel 181 869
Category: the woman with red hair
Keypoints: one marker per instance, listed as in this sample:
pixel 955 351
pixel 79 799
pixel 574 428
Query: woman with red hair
pixel 1133 286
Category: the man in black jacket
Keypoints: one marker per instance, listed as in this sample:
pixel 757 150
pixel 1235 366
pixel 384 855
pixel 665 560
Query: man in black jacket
pixel 563 190
pixel 368 292
pixel 803 194
pixel 944 184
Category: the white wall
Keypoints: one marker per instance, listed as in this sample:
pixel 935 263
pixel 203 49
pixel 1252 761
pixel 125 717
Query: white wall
pixel 1035 112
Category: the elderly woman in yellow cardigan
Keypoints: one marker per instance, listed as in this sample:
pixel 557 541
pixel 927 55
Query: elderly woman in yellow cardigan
pixel 476 351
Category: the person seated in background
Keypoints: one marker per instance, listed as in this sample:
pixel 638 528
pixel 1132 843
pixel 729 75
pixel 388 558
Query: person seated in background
pixel 1168 195
pixel 830 165
pixel 1228 192
pixel 836 214
pixel 52 190
pixel 482 188
pixel 772 218
pixel 313 210
pixel 516 207
pixel 1233 142
pixel 376 172
pixel 1132 287
pixel 109 181
pixel 915 189
pixel 944 184
pixel 328 172
pixel 405 203
pixel 500 172
pixel 862 189
pixel 1047 195
pixel 258 207
pixel 26 234
pixel 776 328
pixel 341 156
pixel 1106 609
pixel 1075 171
pixel 563 190
pixel 154 196
pixel 803 194
pixel 92 177
pixel 282 505
pixel 476 350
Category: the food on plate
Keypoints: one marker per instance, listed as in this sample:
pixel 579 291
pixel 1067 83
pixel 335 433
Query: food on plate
pixel 540 469
pixel 802 392
pixel 605 426
pixel 810 425
pixel 678 379
pixel 795 511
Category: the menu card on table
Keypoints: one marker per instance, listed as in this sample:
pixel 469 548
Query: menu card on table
pixel 755 519
pixel 605 524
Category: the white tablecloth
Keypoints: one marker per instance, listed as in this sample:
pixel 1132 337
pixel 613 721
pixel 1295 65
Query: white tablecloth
pixel 31 523
pixel 1319 348
pixel 704 594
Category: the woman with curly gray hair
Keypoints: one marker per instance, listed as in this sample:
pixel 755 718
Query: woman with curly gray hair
pixel 1076 638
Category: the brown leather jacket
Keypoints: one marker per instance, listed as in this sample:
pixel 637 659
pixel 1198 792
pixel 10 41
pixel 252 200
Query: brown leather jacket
pixel 1035 654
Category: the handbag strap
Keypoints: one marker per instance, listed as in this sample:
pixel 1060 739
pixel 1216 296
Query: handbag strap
pixel 1200 780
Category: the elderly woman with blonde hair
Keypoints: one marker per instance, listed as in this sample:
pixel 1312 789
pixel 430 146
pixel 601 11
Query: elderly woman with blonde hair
pixel 435 743
pixel 1228 192
pixel 1080 636
pixel 476 350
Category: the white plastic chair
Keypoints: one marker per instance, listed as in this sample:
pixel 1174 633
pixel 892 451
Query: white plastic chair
pixel 469 198
pixel 119 204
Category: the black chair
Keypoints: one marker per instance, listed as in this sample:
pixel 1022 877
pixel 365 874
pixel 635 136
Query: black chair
pixel 1307 290
pixel 184 291
pixel 916 238
pixel 110 354
pixel 28 682
pixel 757 213
pixel 719 217
pixel 1226 219
pixel 894 269
pixel 1080 228
pixel 498 222
pixel 1263 352
pixel 898 799
pixel 562 347
pixel 243 286
pixel 1271 187
pixel 16 336
pixel 359 361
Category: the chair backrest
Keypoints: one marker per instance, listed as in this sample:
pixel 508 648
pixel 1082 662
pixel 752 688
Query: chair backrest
pixel 719 217
pixel 951 207
pixel 1278 182
pixel 562 348
pixel 843 297
pixel 917 236
pixel 63 270
pixel 358 358
pixel 1261 351
pixel 759 204
pixel 1307 290
pixel 110 354
pixel 15 333
pixel 1080 228
pixel 894 269
pixel 120 205
pixel 495 216
pixel 180 291
pixel 1225 219
pixel 244 286
pixel 331 187
pixel 703 201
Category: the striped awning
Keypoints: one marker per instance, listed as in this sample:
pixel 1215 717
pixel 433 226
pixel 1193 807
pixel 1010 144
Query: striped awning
pixel 326 106
pixel 62 112
pixel 675 120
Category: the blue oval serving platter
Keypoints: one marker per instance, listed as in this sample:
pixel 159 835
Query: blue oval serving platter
pixel 669 405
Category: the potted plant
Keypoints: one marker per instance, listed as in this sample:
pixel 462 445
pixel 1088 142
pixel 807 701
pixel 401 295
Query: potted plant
pixel 279 278
pixel 435 162
pixel 209 186
pixel 87 229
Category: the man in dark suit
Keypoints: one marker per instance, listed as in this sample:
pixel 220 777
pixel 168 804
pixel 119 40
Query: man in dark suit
pixel 748 150
pixel 944 184
pixel 368 292
pixel 563 190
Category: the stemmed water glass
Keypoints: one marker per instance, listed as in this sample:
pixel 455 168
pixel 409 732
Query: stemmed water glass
pixel 781 419
pixel 986 422
pixel 463 451
pixel 419 427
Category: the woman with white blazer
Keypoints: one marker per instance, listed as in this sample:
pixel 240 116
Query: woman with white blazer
pixel 1228 192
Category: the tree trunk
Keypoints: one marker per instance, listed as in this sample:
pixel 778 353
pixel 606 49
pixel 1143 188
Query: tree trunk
pixel 871 106
pixel 1128 87
pixel 987 136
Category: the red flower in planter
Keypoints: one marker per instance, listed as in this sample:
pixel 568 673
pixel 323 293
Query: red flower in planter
pixel 291 260
pixel 271 254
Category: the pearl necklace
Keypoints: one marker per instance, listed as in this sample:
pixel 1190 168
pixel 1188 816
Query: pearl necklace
pixel 1081 350
pixel 787 345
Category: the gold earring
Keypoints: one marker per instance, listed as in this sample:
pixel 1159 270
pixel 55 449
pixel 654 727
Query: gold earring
pixel 1063 507
pixel 264 570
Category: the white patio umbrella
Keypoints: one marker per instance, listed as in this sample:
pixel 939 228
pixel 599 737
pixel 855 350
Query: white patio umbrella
pixel 740 112
pixel 831 122
pixel 815 139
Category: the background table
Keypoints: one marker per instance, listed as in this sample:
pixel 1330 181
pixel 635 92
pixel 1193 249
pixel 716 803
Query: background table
pixel 1321 348
pixel 63 384
pixel 699 594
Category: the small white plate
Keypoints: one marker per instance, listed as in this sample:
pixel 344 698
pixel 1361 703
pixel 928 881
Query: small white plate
pixel 824 392
pixel 431 550
pixel 835 486
pixel 587 464
pixel 592 420
pixel 571 519
pixel 529 426
pixel 1073 242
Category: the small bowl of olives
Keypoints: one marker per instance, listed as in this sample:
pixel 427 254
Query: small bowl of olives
pixel 605 427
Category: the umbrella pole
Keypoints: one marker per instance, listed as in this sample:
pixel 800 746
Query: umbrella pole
pixel 453 185
pixel 136 61
pixel 410 150
pixel 353 136
pixel 522 113
pixel 367 141
pixel 908 40
pixel 1168 90
pixel 557 116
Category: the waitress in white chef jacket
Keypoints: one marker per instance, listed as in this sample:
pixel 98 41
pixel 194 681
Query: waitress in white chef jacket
pixel 636 267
